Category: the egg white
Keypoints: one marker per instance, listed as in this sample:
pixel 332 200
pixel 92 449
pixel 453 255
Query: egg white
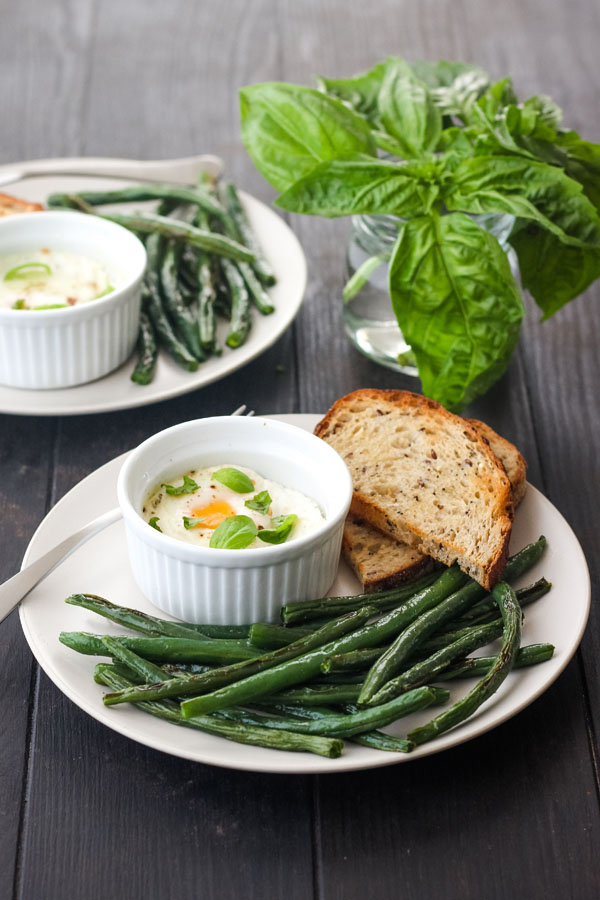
pixel 170 510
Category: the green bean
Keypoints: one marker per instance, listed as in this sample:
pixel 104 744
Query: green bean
pixel 246 234
pixel 531 655
pixel 174 193
pixel 428 669
pixel 326 607
pixel 270 637
pixel 182 231
pixel 308 666
pixel 511 616
pixel 142 667
pixel 207 320
pixel 377 740
pixel 116 667
pixel 342 725
pixel 164 649
pixel 181 315
pixel 147 351
pixel 239 325
pixel 228 674
pixel 132 618
pixel 355 659
pixel 242 734
pixel 258 294
pixel 417 632
pixel 318 694
pixel 487 609
pixel 184 670
pixel 153 298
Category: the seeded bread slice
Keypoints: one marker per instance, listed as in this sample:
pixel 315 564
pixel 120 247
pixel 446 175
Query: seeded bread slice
pixel 424 476
pixel 381 562
pixel 513 462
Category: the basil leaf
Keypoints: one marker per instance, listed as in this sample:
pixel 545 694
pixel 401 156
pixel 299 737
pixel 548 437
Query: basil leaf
pixel 407 110
pixel 457 304
pixel 444 74
pixel 282 525
pixel 288 129
pixel 526 189
pixel 189 522
pixel 260 502
pixel 359 93
pixel 188 487
pixel 348 187
pixel 551 271
pixel 153 522
pixel 234 480
pixel 19 304
pixel 234 533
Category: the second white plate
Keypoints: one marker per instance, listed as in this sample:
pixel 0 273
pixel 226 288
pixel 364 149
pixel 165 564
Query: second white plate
pixel 116 390
pixel 101 567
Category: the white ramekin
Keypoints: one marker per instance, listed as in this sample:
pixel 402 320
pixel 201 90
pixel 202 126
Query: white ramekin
pixel 202 584
pixel 58 348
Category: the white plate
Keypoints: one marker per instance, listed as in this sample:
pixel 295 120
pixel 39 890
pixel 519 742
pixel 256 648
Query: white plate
pixel 101 566
pixel 117 391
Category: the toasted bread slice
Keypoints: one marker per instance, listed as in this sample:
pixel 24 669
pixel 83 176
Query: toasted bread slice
pixel 424 476
pixel 381 562
pixel 10 206
pixel 513 462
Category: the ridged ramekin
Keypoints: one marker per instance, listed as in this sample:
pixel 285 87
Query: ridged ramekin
pixel 58 348
pixel 203 584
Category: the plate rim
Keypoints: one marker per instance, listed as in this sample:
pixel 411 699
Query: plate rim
pixel 147 398
pixel 449 740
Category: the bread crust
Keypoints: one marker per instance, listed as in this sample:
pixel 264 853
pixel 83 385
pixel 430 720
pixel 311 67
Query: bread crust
pixel 516 469
pixel 367 508
pixel 372 583
pixel 10 206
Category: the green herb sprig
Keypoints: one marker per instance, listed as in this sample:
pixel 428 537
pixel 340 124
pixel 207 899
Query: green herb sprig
pixel 455 146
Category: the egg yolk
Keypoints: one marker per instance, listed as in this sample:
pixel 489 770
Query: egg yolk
pixel 213 514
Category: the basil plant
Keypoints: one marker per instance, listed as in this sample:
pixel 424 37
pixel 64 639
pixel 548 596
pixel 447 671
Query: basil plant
pixel 436 144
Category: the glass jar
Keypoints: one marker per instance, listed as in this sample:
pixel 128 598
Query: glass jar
pixel 368 316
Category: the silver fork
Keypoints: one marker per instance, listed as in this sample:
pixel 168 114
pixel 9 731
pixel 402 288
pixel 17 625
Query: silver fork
pixel 178 171
pixel 17 587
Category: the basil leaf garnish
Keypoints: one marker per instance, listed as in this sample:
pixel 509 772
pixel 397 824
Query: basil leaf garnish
pixel 234 480
pixel 19 304
pixel 188 487
pixel 189 522
pixel 260 502
pixel 282 525
pixel 153 522
pixel 234 533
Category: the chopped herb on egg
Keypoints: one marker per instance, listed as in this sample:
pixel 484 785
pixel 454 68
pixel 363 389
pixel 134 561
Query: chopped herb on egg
pixel 280 530
pixel 153 522
pixel 234 479
pixel 188 487
pixel 234 533
pixel 260 502
pixel 191 522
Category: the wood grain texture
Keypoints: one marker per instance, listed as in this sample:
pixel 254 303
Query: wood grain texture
pixel 514 813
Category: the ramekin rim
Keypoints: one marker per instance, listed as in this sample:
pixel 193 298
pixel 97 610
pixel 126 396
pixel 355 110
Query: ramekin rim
pixel 45 315
pixel 244 558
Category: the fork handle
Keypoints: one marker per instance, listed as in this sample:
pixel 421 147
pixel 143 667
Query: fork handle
pixel 13 590
pixel 179 171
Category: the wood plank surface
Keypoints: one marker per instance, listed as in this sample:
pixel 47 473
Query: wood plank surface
pixel 88 814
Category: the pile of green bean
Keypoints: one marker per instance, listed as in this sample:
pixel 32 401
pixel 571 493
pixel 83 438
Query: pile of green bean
pixel 355 665
pixel 204 262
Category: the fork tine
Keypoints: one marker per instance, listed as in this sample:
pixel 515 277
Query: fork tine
pixel 240 410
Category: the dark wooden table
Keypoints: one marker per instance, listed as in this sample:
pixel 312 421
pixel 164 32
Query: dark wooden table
pixel 89 815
